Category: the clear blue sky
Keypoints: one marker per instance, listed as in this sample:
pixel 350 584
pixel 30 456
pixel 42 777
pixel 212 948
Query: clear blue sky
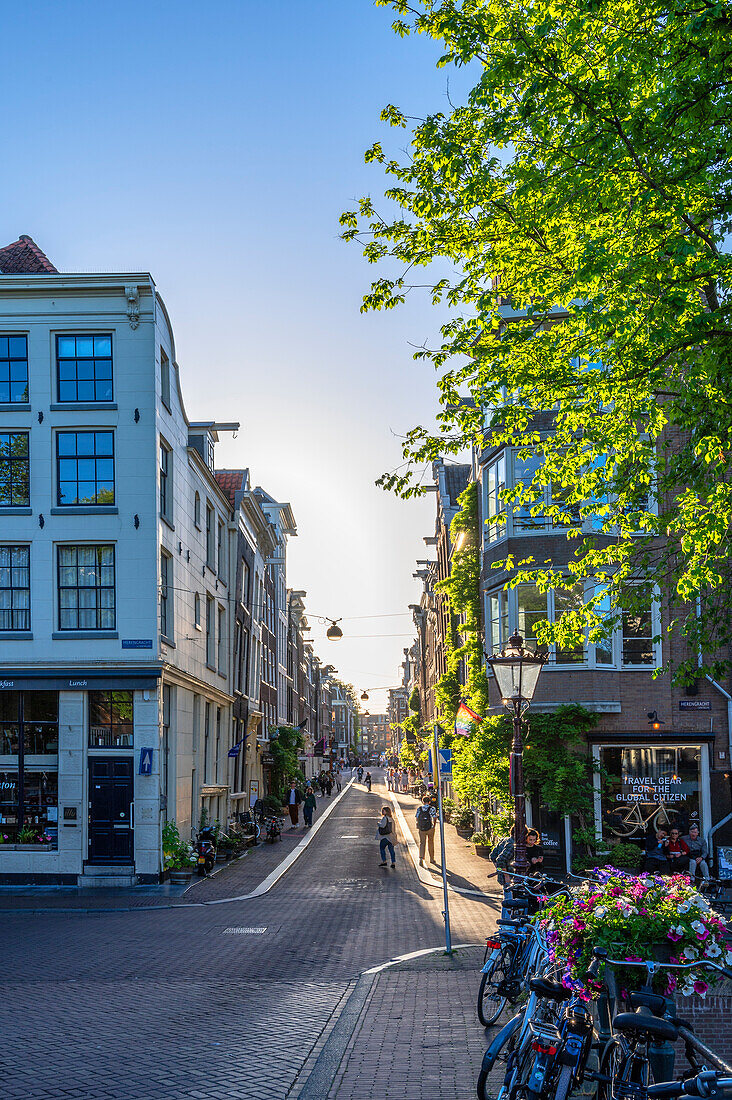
pixel 215 145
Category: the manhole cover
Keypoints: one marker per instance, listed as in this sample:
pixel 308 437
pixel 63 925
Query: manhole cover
pixel 244 931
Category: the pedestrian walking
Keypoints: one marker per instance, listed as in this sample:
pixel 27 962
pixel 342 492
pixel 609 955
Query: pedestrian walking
pixel 426 817
pixel 309 804
pixel 502 856
pixel 698 852
pixel 339 784
pixel 359 773
pixel 386 835
pixel 294 798
pixel 405 780
pixel 367 781
pixel 328 784
pixel 321 783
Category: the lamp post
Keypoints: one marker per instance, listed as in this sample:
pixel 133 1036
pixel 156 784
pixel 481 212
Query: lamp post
pixel 516 672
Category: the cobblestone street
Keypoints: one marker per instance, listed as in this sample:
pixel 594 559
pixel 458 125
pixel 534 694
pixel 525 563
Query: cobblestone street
pixel 185 1002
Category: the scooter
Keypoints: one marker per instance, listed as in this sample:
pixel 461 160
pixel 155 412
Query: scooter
pixel 206 849
pixel 274 833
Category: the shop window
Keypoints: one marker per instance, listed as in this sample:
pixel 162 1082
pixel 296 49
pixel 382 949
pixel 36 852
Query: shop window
pixel 29 793
pixel 13 370
pixel 111 719
pixel 649 787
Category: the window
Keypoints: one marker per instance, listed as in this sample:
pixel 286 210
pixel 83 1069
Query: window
pixel 29 727
pixel 166 482
pixel 111 719
pixel 638 647
pixel 210 555
pixel 165 749
pixel 222 641
pixel 14 470
pixel 86 588
pixel 244 662
pixel 220 558
pixel 245 580
pixel 497 619
pixel 206 739
pixel 166 595
pixel 218 744
pixel 14 588
pixel 197 510
pixel 494 479
pixel 165 379
pixel 532 608
pixel 85 467
pixel 237 657
pixel 524 470
pixel 567 599
pixel 210 632
pixel 13 370
pixel 197 611
pixel 84 368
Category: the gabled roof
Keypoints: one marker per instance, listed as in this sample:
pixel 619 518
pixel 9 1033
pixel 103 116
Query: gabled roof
pixel 232 482
pixel 24 257
pixel 456 480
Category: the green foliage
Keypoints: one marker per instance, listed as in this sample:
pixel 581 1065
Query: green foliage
pixel 449 806
pixel 285 744
pixel 407 754
pixel 628 857
pixel 463 818
pixel 589 167
pixel 178 854
pixel 480 838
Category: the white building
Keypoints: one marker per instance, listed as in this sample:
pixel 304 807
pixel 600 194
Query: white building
pixel 283 523
pixel 115 693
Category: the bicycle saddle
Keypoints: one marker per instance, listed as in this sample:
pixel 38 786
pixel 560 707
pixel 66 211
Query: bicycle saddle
pixel 643 1022
pixel 654 1001
pixel 545 987
pixel 516 903
pixel 510 923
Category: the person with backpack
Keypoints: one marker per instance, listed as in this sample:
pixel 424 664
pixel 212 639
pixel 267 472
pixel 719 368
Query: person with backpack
pixel 386 836
pixel 359 772
pixel 502 856
pixel 426 816
pixel 367 781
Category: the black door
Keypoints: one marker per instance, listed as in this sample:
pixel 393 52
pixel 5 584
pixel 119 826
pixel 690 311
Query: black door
pixel 111 790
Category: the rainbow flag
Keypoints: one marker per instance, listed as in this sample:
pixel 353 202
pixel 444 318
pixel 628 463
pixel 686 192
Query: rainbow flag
pixel 465 719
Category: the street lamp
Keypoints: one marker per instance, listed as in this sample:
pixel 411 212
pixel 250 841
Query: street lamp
pixel 516 672
pixel 334 631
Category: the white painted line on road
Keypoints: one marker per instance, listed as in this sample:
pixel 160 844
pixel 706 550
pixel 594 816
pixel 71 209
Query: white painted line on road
pixel 349 836
pixel 416 955
pixel 243 931
pixel 266 885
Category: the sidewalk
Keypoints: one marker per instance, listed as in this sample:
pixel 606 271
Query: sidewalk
pixel 413 1033
pixel 466 872
pixel 228 880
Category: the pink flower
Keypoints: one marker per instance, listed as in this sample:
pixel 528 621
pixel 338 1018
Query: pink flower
pixel 700 987
pixel 674 936
pixel 671 986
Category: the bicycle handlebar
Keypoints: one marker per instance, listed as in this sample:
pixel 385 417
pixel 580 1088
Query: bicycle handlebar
pixel 705 1084
pixel 601 956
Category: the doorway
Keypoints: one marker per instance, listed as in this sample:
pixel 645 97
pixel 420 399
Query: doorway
pixel 111 825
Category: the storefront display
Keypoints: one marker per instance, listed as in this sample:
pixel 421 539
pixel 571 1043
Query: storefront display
pixel 29 763
pixel 649 787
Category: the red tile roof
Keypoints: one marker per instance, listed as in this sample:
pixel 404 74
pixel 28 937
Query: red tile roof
pixel 24 257
pixel 230 481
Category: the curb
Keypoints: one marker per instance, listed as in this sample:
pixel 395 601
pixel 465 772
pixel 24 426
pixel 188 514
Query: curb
pixel 264 886
pixel 423 874
pixel 320 1080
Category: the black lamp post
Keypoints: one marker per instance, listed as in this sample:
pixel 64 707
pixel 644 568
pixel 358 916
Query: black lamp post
pixel 516 672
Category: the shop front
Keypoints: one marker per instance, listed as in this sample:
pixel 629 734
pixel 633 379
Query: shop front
pixel 641 786
pixel 72 798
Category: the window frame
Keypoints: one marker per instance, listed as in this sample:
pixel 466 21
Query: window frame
pixel 197 611
pixel 12 588
pixel 166 594
pixel 113 744
pixel 13 461
pixel 7 361
pixel 165 474
pixel 197 510
pixel 97 588
pixel 84 358
pixel 210 632
pixel 76 457
pixel 210 537
pixel 165 380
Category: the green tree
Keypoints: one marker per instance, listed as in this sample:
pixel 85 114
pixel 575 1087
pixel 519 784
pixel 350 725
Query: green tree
pixel 285 744
pixel 588 170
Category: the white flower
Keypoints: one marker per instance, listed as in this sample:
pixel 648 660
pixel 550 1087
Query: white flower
pixel 678 929
pixel 684 907
pixel 690 953
pixel 698 926
pixel 728 959
pixel 713 951
pixel 687 990
pixel 600 911
pixel 701 903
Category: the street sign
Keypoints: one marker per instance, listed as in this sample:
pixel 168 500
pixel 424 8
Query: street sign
pixel 146 760
pixel 695 704
pixel 445 756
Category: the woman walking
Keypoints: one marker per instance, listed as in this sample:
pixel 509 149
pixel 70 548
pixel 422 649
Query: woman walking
pixel 308 806
pixel 386 836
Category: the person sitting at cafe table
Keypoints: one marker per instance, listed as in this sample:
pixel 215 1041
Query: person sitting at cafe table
pixel 656 852
pixel 698 852
pixel 677 852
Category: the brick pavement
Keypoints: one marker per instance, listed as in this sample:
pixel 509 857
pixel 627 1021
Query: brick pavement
pixel 166 1003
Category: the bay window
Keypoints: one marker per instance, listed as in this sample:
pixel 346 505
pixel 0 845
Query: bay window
pixel 494 509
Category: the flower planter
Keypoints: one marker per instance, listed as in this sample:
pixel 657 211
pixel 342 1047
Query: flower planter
pixel 482 850
pixel 221 857
pixel 464 833
pixel 180 878
pixel 29 847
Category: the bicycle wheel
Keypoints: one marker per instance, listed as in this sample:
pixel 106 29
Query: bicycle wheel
pixel 564 1082
pixel 501 1049
pixel 491 1001
pixel 611 1059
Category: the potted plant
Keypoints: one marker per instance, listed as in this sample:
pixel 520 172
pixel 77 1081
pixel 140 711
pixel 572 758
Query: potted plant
pixel 179 857
pixel 33 838
pixel 634 917
pixel 482 844
pixel 449 805
pixel 464 821
pixel 626 857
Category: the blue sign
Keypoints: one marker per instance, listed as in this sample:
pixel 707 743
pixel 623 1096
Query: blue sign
pixel 445 763
pixel 146 759
pixel 137 643
pixel 234 751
